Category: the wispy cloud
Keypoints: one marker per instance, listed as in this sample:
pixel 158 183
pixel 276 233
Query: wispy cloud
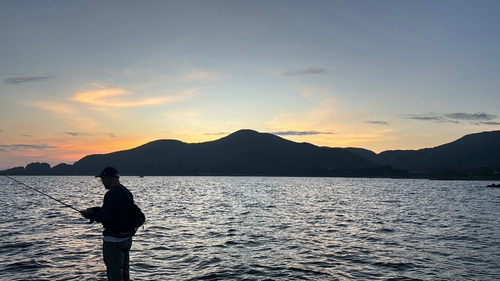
pixel 215 134
pixel 194 74
pixel 491 123
pixel 316 121
pixel 20 80
pixel 318 95
pixel 307 71
pixel 22 147
pixel 114 97
pixel 301 133
pixel 282 133
pixel 180 73
pixel 76 134
pixel 474 118
pixel 377 122
pixel 471 117
pixel 28 136
pixel 97 96
pixel 188 73
pixel 426 117
pixel 55 107
pixel 129 73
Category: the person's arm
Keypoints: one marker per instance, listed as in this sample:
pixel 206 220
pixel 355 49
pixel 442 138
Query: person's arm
pixel 106 211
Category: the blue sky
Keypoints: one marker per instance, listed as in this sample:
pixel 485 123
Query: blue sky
pixel 85 77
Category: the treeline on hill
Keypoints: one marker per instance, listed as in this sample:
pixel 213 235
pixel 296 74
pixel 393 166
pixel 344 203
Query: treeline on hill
pixel 37 168
pixel 64 169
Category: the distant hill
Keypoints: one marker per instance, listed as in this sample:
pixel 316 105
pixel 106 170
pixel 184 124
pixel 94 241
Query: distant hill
pixel 244 152
pixel 365 153
pixel 248 152
pixel 474 152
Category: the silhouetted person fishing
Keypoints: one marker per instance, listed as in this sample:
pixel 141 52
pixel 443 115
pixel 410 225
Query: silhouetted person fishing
pixel 115 215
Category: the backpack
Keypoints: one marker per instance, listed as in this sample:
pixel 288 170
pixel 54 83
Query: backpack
pixel 136 217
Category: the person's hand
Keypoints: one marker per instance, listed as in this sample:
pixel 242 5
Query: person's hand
pixel 88 212
pixel 85 213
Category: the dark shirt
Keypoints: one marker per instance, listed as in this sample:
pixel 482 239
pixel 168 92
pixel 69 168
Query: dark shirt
pixel 114 213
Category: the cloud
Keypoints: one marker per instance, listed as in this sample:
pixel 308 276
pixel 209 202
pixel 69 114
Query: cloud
pixel 471 117
pixel 307 71
pixel 75 134
pixel 491 123
pixel 282 133
pixel 28 136
pixel 377 122
pixel 193 74
pixel 301 133
pixel 55 107
pixel 189 73
pixel 424 117
pixel 215 134
pixel 111 96
pixel 180 73
pixel 96 97
pixel 20 80
pixel 475 118
pixel 319 117
pixel 21 147
pixel 319 95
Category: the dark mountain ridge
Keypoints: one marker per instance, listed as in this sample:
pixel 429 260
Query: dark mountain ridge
pixel 248 152
pixel 471 153
pixel 244 152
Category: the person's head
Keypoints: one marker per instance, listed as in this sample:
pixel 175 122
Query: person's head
pixel 109 177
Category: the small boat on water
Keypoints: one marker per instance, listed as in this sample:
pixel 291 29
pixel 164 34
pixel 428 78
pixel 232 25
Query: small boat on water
pixel 493 185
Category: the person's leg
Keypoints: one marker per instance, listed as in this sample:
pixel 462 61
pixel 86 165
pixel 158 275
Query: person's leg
pixel 125 248
pixel 113 258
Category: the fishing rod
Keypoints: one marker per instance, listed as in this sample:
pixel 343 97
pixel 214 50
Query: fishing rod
pixel 34 189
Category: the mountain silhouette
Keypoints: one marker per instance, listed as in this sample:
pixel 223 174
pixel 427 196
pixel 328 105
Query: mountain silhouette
pixel 248 152
pixel 244 152
pixel 474 152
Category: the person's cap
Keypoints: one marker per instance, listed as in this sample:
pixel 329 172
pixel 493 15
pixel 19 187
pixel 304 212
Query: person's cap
pixel 109 172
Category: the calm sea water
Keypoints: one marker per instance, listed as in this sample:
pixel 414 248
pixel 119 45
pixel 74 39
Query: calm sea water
pixel 257 228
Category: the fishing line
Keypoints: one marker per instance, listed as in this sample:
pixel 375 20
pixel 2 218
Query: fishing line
pixel 34 189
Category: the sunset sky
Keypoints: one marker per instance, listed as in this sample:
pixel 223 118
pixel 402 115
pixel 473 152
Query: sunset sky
pixel 85 77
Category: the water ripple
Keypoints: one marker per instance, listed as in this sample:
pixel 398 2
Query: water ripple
pixel 217 228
